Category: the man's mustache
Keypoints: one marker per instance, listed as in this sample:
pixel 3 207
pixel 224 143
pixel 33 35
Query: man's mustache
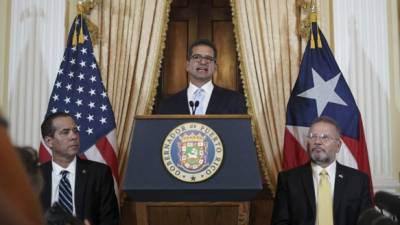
pixel 318 148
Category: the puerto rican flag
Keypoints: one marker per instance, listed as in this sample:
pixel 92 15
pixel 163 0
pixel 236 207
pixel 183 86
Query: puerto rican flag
pixel 321 90
pixel 79 91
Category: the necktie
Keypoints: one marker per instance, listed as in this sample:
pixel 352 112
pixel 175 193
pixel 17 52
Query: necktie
pixel 65 192
pixel 324 203
pixel 199 96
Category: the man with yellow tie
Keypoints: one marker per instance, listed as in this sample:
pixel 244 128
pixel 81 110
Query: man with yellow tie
pixel 323 191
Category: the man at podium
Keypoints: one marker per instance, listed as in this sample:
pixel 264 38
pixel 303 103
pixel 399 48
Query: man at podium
pixel 202 96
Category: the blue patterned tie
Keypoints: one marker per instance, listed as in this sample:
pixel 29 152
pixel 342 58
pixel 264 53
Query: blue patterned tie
pixel 65 192
pixel 199 96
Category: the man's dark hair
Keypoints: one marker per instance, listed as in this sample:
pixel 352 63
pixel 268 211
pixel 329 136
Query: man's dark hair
pixel 205 42
pixel 30 160
pixel 327 119
pixel 47 125
pixel 56 215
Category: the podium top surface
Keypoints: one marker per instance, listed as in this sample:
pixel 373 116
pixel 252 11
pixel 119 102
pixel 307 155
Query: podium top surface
pixel 172 116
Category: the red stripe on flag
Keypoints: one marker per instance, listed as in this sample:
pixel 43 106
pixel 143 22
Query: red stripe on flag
pixel 82 156
pixel 44 155
pixel 293 153
pixel 358 149
pixel 108 154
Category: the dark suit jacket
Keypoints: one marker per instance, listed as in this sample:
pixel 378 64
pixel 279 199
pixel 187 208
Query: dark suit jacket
pixel 295 199
pixel 94 192
pixel 222 101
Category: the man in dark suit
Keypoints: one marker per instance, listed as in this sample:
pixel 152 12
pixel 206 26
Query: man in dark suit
pixel 202 96
pixel 82 187
pixel 300 191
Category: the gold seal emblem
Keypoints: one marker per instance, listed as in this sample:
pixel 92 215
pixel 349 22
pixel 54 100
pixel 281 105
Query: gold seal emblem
pixel 192 152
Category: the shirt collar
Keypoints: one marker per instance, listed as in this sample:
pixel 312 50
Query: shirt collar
pixel 207 87
pixel 331 169
pixel 71 167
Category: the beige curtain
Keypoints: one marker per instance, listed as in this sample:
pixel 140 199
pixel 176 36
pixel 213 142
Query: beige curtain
pixel 132 36
pixel 270 51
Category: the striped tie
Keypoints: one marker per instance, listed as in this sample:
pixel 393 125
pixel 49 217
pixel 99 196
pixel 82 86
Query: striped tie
pixel 65 192
pixel 324 203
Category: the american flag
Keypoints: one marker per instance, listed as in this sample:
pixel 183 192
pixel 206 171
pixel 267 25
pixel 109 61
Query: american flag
pixel 321 90
pixel 79 91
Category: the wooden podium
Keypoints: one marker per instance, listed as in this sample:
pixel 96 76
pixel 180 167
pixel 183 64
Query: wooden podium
pixel 159 198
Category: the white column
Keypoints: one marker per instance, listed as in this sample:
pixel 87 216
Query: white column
pixel 36 48
pixel 361 50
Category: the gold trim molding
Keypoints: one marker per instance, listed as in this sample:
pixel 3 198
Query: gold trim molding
pixel 160 56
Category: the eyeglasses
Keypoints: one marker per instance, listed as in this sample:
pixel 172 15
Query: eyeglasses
pixel 206 58
pixel 324 138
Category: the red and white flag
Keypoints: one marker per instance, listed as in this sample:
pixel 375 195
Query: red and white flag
pixel 321 90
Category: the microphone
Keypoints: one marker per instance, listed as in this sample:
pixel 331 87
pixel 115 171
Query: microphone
pixel 193 106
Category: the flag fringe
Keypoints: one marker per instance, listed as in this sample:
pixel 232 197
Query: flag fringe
pixel 78 37
pixel 81 38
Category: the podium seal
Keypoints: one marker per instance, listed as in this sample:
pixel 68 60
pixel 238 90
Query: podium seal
pixel 192 152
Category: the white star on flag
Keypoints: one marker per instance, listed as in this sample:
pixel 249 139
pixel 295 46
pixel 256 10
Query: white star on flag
pixel 93 65
pixel 103 108
pixel 103 120
pixel 92 92
pixel 90 117
pixel 82 63
pixel 89 130
pixel 323 92
pixel 78 102
pixel 81 76
pixel 68 87
pixel 80 89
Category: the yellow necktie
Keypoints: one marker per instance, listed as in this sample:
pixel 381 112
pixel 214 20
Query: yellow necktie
pixel 324 203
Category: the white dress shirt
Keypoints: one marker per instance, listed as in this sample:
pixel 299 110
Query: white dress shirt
pixel 207 87
pixel 316 169
pixel 56 177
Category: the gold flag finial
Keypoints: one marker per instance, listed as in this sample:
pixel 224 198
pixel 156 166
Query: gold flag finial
pixel 313 18
pixel 313 15
pixel 310 11
pixel 84 7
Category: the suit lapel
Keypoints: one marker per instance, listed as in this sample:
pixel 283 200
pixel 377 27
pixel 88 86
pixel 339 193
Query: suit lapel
pixel 309 186
pixel 184 102
pixel 212 107
pixel 340 182
pixel 80 184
